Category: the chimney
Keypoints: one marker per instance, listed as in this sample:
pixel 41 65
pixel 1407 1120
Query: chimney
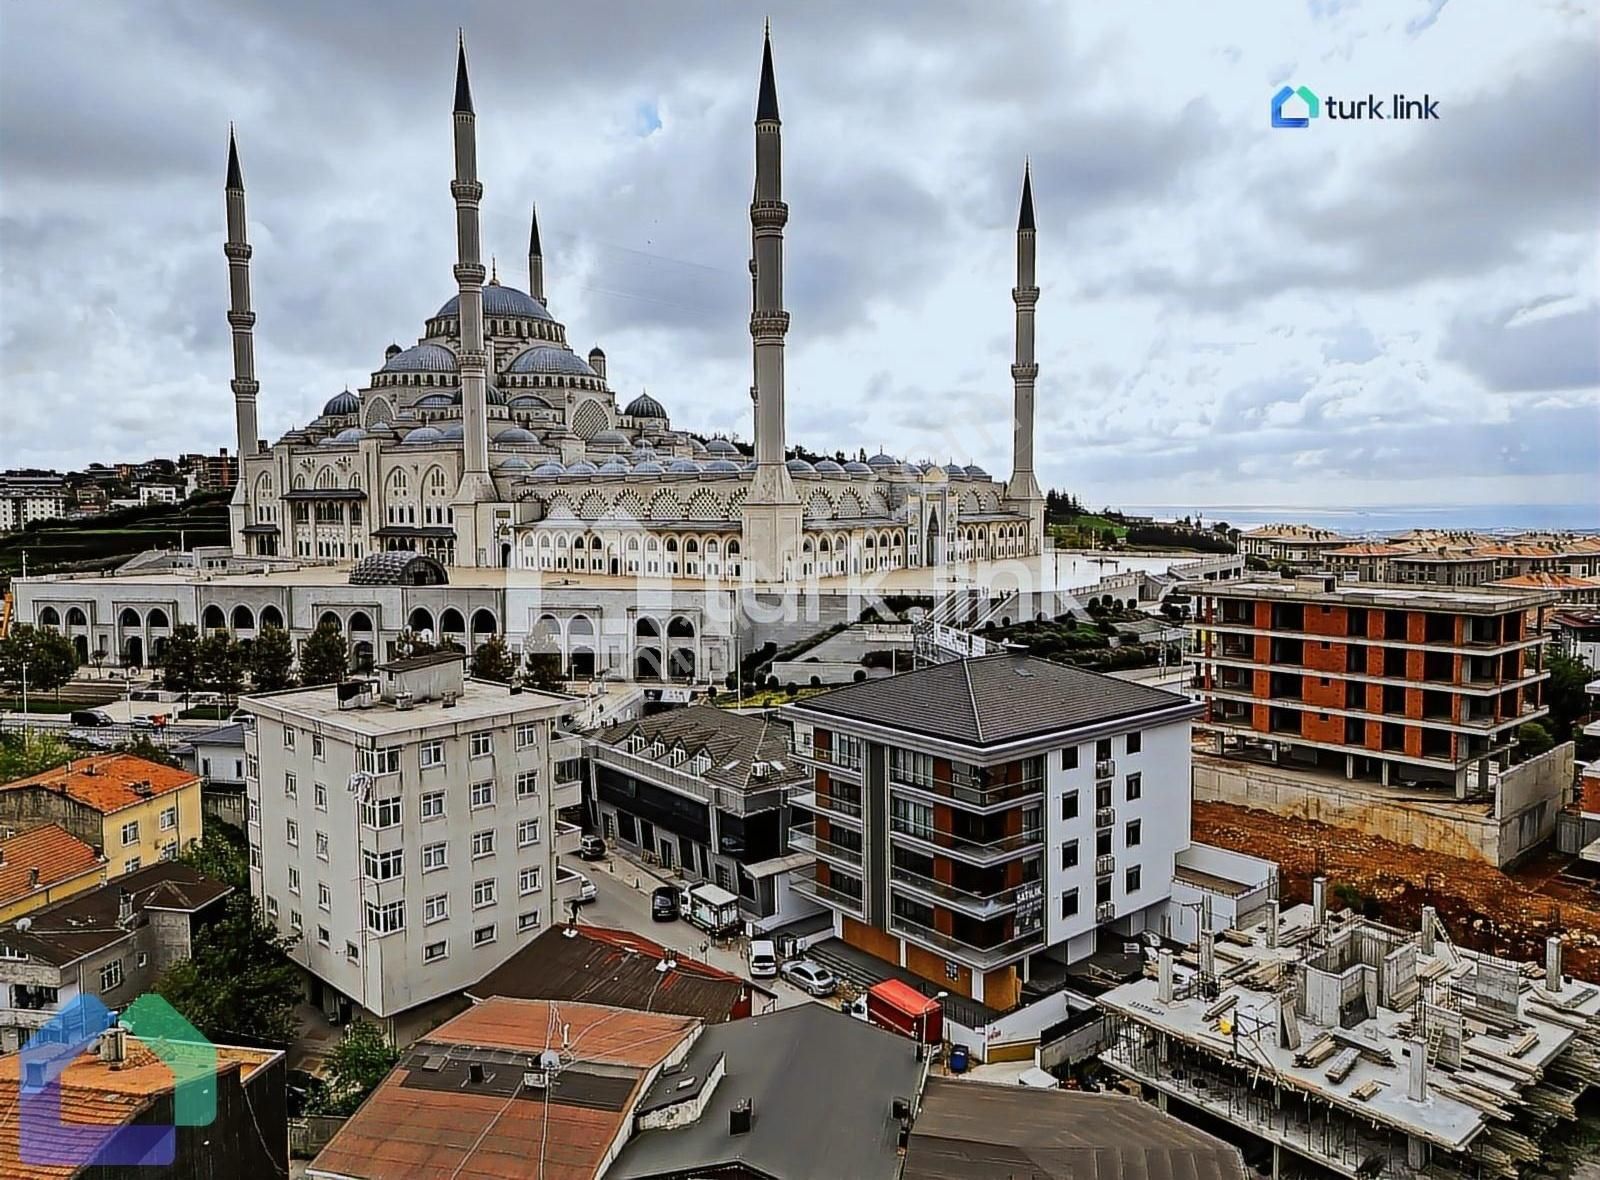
pixel 1430 923
pixel 1417 1090
pixel 1319 900
pixel 33 1075
pixel 475 1073
pixel 1552 964
pixel 1272 923
pixel 740 1116
pixel 114 1046
pixel 33 878
pixel 1164 976
pixel 124 907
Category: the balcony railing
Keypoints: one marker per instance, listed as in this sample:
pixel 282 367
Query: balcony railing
pixel 969 901
pixel 832 806
pixel 1106 911
pixel 834 760
pixel 803 838
pixel 1105 864
pixel 981 852
pixel 1105 768
pixel 732 800
pixel 969 792
pixel 28 1017
pixel 1105 817
pixel 805 883
pixel 982 957
pixel 568 836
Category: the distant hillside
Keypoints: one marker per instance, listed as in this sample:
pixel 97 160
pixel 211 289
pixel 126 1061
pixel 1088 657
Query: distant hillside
pixel 104 541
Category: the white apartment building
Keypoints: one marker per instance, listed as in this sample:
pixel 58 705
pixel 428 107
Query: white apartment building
pixel 405 828
pixel 27 499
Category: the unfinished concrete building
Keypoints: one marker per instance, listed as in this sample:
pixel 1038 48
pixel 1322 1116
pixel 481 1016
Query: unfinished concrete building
pixel 1356 1049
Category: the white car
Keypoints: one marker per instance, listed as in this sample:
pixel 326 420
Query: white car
pixel 763 959
pixel 586 891
pixel 810 977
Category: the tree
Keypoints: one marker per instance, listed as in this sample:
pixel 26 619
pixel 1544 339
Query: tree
pixel 21 758
pixel 221 853
pixel 271 660
pixel 50 658
pixel 542 670
pixel 356 1065
pixel 323 656
pixel 220 664
pixel 180 662
pixel 240 986
pixel 1533 739
pixel 1565 692
pixel 493 660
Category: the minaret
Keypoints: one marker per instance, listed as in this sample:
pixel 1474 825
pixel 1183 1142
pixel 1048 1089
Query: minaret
pixel 240 317
pixel 772 518
pixel 476 486
pixel 535 260
pixel 1022 493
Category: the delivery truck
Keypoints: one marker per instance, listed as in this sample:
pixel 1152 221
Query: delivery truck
pixel 901 1008
pixel 713 909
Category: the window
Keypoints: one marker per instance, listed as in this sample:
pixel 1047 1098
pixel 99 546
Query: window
pixel 111 976
pixel 130 864
pixel 382 866
pixel 436 908
pixel 909 766
pixel 431 754
pixel 483 893
pixel 255 856
pixel 384 761
pixel 130 832
pixel 1069 758
pixel 291 789
pixel 1069 903
pixel 432 805
pixel 319 796
pixel 1135 786
pixel 480 745
pixel 324 896
pixel 352 952
pixel 1102 795
pixel 1131 834
pixel 252 766
pixel 169 850
pixel 323 936
pixel 528 921
pixel 482 794
pixel 294 879
pixel 322 845
pixel 1135 742
pixel 483 935
pixel 483 843
pixel 1102 749
pixel 319 749
pixel 252 811
pixel 1069 805
pixel 381 813
pixel 387 918
pixel 296 922
pixel 434 857
pixel 435 951
pixel 288 738
pixel 291 833
pixel 528 880
pixel 527 783
pixel 527 734
pixel 272 906
pixel 1130 880
pixel 169 819
pixel 1102 842
pixel 1069 855
pixel 527 833
pixel 915 819
pixel 1102 890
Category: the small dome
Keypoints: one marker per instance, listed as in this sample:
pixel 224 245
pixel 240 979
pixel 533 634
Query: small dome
pixel 829 467
pixel 342 405
pixel 615 466
pixel 683 467
pixel 392 350
pixel 494 397
pixel 597 351
pixel 882 460
pixel 721 467
pixel 800 467
pixel 422 436
pixel 697 446
pixel 856 467
pixel 750 465
pixel 954 471
pixel 515 434
pixel 435 401
pixel 380 428
pixel 648 467
pixel 452 433
pixel 909 468
pixel 549 469
pixel 645 406
pixel 583 467
pixel 422 358
pixel 610 438
pixel 721 446
pixel 499 300
pixel 545 358
pixel 976 472
pixel 349 436
pixel 527 401
pixel 330 441
pixel 642 452
pixel 513 463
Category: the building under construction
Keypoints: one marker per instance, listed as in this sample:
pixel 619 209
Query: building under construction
pixel 1356 1049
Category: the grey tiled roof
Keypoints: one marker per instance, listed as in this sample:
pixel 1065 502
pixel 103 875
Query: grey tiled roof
pixel 991 700
pixel 734 741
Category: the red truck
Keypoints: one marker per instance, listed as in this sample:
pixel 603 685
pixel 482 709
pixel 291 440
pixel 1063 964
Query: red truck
pixel 901 1008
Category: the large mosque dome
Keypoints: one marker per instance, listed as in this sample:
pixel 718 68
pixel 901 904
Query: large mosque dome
pixel 499 300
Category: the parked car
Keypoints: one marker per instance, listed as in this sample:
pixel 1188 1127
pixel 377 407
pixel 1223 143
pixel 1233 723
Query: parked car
pixel 586 891
pixel 591 848
pixel 763 958
pixel 664 903
pixel 91 718
pixel 810 977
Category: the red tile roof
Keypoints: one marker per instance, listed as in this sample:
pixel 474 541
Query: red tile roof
pixel 57 854
pixel 106 782
pixel 1548 581
pixel 1368 549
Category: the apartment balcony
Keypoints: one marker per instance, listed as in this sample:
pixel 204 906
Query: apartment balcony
pixel 805 883
pixel 831 806
pixel 28 1017
pixel 1105 817
pixel 833 761
pixel 568 882
pixel 974 903
pixel 974 955
pixel 567 794
pixel 966 848
pixel 1105 768
pixel 1106 911
pixel 567 838
pixel 971 794
pixel 735 801
pixel 1105 864
pixel 803 838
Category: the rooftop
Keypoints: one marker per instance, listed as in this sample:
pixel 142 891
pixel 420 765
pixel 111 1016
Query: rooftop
pixel 1460 599
pixel 479 700
pixel 734 742
pixel 52 852
pixel 617 968
pixel 108 782
pixel 1546 580
pixel 977 1131
pixel 993 700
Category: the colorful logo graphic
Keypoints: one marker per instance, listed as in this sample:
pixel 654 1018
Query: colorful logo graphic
pixel 46 1137
pixel 1313 107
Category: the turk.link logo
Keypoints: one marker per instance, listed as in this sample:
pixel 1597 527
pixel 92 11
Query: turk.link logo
pixel 46 1137
pixel 1302 106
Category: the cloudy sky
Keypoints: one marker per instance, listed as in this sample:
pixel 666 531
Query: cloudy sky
pixel 1353 313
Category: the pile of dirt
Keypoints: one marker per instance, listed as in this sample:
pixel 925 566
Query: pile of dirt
pixel 1482 907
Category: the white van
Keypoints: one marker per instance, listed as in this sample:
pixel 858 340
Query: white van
pixel 763 959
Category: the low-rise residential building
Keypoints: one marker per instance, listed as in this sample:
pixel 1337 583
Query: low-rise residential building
pixel 211 473
pixel 1364 561
pixel 159 493
pixel 1293 544
pixel 42 865
pixel 111 942
pixel 29 496
pixel 1577 633
pixel 703 790
pixel 404 828
pixel 1569 589
pixel 217 756
pixel 1441 567
pixel 1379 682
pixel 134 810
pixel 978 821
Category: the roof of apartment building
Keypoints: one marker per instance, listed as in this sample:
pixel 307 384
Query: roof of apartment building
pixel 1513 549
pixel 1324 589
pixel 1545 580
pixel 1292 532
pixel 734 742
pixel 991 700
pixel 978 1130
pixel 821 1087
pixel 1371 549
pixel 64 931
pixel 95 1093
pixel 108 782
pixel 476 700
pixel 223 735
pixel 432 1117
pixel 617 968
pixel 51 852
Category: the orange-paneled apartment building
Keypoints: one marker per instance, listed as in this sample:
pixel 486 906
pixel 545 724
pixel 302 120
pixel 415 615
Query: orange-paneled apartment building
pixel 1395 684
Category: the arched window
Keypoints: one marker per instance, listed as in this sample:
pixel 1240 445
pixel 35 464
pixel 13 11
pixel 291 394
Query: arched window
pixel 329 619
pixel 421 619
pixel 156 618
pixel 244 618
pixel 271 616
pixel 76 617
pixel 213 619
pixel 450 623
pixel 360 621
pixel 48 617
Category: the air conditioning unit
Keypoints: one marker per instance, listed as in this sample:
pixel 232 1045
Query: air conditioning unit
pixel 404 700
pixel 1106 911
pixel 1105 768
pixel 1105 864
pixel 447 700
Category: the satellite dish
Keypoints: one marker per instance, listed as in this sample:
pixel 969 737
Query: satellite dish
pixel 550 1061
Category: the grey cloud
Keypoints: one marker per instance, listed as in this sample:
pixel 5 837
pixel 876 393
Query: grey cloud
pixel 1551 352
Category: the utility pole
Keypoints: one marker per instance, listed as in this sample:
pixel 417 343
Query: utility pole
pixel 27 722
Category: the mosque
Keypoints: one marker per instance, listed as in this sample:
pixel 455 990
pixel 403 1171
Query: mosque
pixel 491 442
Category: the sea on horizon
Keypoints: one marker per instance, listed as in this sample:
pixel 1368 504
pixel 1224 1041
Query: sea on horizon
pixel 1393 518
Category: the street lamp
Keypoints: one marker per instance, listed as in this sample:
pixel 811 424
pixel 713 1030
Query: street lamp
pixel 922 1022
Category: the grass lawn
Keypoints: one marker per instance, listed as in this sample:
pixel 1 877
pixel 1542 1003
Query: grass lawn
pixel 39 703
pixel 769 698
pixel 207 713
